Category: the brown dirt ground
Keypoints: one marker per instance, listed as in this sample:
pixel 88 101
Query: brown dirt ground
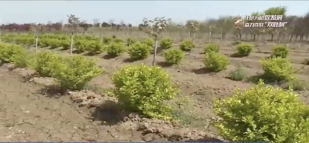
pixel 30 112
pixel 201 87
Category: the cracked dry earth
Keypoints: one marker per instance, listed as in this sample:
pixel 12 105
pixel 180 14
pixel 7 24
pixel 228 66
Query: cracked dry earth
pixel 28 115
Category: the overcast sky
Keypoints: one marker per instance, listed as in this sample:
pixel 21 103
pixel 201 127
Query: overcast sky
pixel 134 11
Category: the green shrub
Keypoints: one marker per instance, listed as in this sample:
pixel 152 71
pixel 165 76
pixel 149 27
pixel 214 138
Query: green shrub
pixel 43 42
pixel 9 53
pixel 27 60
pixel 216 62
pixel 238 75
pixel 29 41
pixel 117 40
pixel 166 43
pixel 115 49
pixel 95 47
pixel 81 45
pixel 187 45
pixel 263 114
pixel 139 51
pixel 47 63
pixel 280 51
pixel 212 48
pixel 174 56
pixel 150 43
pixel 107 40
pixel 244 49
pixel 144 89
pixel 54 43
pixel 131 41
pixel 76 71
pixel 65 44
pixel 277 69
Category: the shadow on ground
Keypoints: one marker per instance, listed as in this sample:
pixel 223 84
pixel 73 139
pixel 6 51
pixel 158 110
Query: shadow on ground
pixel 53 91
pixel 164 64
pixel 107 57
pixel 202 70
pixel 109 112
pixel 128 60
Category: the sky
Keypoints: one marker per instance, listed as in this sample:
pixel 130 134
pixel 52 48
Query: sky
pixel 134 11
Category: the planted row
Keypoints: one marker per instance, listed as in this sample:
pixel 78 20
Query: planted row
pixel 263 113
pixel 71 72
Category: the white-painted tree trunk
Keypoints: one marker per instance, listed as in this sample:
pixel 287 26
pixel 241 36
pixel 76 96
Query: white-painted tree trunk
pixel 155 51
pixel 72 43
pixel 36 43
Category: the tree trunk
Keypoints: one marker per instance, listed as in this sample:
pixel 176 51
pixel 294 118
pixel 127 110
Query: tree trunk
pixel 272 37
pixel 210 35
pixel 291 37
pixel 155 51
pixel 72 42
pixel 36 42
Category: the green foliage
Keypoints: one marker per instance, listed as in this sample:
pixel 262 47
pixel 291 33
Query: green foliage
pixel 150 43
pixel 9 53
pixel 280 51
pixel 81 45
pixel 212 48
pixel 298 84
pixel 131 41
pixel 65 44
pixel 144 89
pixel 187 45
pixel 118 40
pixel 75 72
pixel 277 69
pixel 115 49
pixel 107 40
pixel 216 62
pixel 95 47
pixel 47 63
pixel 263 114
pixel 275 11
pixel 27 60
pixel 174 56
pixel 139 51
pixel 238 75
pixel 166 43
pixel 43 43
pixel 244 49
pixel 54 43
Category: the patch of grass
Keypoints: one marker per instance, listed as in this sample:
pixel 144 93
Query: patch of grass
pixel 297 85
pixel 190 119
pixel 99 90
pixel 238 75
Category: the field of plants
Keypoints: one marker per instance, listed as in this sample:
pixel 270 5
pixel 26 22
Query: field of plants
pixel 154 85
pixel 188 78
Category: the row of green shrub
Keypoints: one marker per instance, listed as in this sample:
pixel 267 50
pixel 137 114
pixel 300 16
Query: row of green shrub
pixel 138 88
pixel 71 72
pixel 263 113
pixel 140 50
pixel 113 47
